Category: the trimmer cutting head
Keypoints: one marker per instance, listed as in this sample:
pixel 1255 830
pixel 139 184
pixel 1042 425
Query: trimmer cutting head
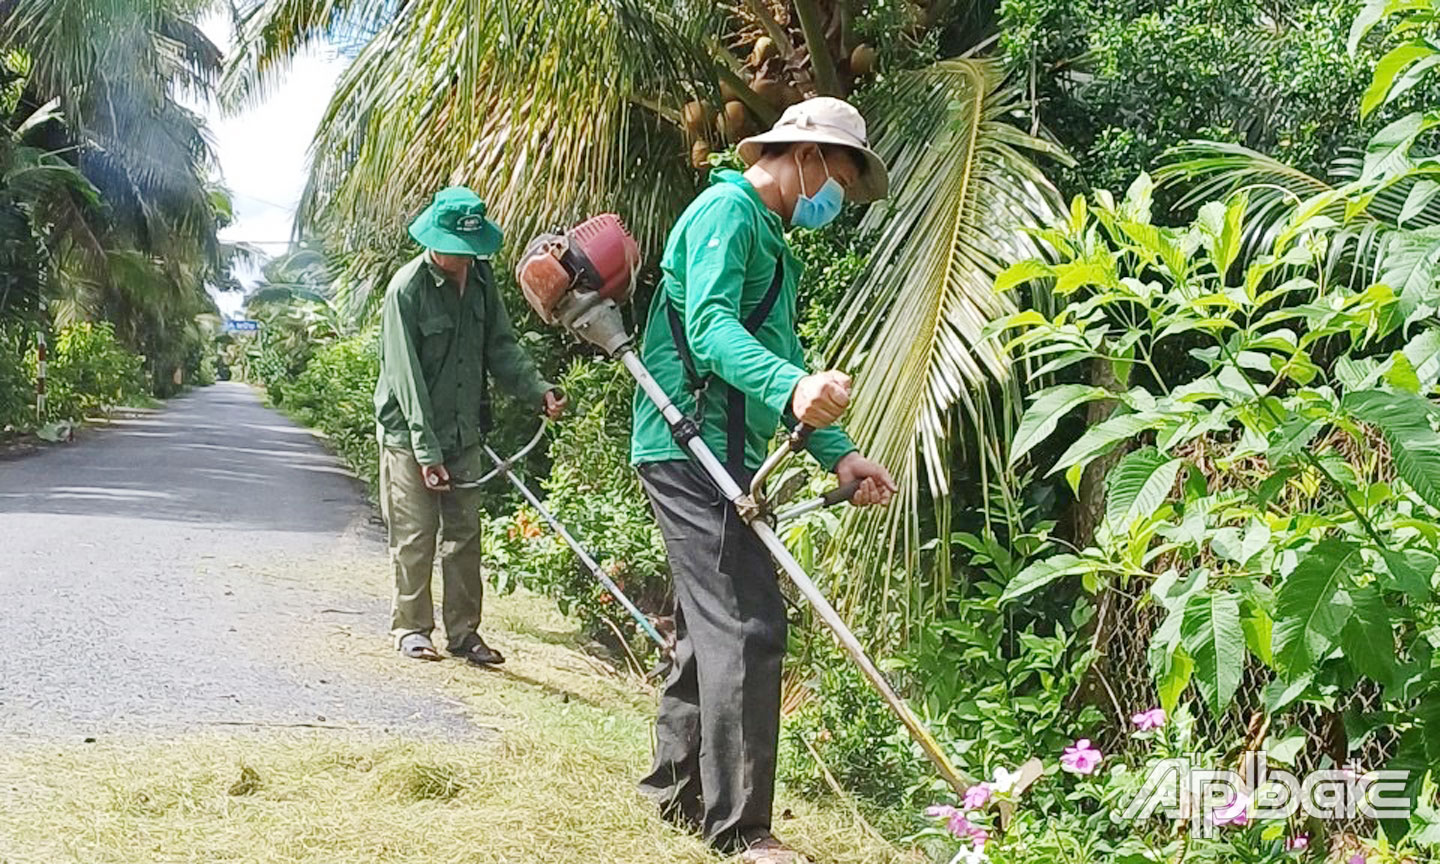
pixel 577 279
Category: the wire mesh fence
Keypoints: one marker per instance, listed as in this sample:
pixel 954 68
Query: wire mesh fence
pixel 1121 684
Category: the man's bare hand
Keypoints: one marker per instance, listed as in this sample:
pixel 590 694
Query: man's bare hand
pixel 821 398
pixel 876 486
pixel 436 478
pixel 555 404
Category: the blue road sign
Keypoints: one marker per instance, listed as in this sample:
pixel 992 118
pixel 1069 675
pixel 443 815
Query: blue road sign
pixel 241 326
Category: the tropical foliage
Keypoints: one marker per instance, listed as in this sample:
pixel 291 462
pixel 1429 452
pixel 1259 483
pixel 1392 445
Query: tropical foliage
pixel 1198 418
pixel 103 176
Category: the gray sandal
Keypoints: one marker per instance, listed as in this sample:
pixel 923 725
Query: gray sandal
pixel 417 646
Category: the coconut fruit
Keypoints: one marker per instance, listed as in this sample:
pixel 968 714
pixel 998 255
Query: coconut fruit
pixel 776 92
pixel 735 120
pixel 862 60
pixel 700 155
pixel 695 119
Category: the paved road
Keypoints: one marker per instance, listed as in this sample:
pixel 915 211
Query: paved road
pixel 153 579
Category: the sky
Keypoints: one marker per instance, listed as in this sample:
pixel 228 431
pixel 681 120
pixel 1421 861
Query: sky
pixel 262 152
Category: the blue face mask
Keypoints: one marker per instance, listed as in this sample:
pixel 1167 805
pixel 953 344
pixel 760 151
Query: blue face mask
pixel 821 209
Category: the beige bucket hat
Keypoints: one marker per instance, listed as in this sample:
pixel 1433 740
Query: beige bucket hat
pixel 826 120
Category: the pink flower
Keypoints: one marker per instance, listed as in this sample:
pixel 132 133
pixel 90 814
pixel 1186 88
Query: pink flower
pixel 959 825
pixel 977 796
pixel 954 818
pixel 1147 720
pixel 1081 758
pixel 1236 812
pixel 978 838
pixel 1358 858
pixel 1298 843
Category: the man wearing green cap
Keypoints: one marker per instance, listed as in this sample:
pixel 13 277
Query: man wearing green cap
pixel 444 332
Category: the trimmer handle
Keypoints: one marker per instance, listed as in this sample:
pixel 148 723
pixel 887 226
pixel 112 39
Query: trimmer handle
pixel 841 494
pixel 800 436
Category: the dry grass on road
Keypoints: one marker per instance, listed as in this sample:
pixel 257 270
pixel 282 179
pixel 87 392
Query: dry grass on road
pixel 551 782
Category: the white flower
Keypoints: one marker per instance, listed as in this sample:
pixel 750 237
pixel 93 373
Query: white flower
pixel 1004 781
pixel 970 856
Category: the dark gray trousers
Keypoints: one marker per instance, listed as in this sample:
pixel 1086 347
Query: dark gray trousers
pixel 719 723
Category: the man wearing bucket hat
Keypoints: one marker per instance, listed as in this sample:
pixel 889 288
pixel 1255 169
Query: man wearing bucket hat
pixel 721 340
pixel 444 334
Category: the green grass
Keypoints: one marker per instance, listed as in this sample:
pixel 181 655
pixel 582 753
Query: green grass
pixel 548 778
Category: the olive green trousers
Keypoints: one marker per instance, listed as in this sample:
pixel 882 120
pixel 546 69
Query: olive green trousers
pixel 416 518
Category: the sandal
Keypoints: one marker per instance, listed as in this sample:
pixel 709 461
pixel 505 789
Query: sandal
pixel 475 652
pixel 767 850
pixel 417 646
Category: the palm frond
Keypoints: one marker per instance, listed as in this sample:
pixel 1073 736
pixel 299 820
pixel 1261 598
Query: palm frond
pixel 270 34
pixel 1365 213
pixel 964 189
pixel 1213 170
pixel 535 107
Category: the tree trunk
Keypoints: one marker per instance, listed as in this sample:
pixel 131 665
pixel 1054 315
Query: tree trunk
pixel 1090 502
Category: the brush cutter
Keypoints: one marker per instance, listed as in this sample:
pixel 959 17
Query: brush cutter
pixel 577 280
pixel 506 467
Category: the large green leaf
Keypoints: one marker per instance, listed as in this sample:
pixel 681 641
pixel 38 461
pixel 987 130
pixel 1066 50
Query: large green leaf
pixel 1042 573
pixel 1215 640
pixel 1392 64
pixel 1138 486
pixel 1260 635
pixel 1312 606
pixel 1410 265
pixel 1045 412
pixel 1172 676
pixel 1411 571
pixel 1405 421
pixel 1367 639
pixel 1104 435
pixel 1423 352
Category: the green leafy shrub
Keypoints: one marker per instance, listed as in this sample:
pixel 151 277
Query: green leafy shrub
pixel 1121 82
pixel 336 394
pixel 89 371
pixel 17 388
pixel 595 493
pixel 859 741
pixel 1277 503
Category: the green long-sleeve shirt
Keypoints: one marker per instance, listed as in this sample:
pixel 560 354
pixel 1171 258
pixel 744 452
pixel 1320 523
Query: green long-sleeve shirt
pixel 718 263
pixel 436 347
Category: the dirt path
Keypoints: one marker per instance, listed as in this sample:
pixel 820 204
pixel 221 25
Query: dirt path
pixel 154 578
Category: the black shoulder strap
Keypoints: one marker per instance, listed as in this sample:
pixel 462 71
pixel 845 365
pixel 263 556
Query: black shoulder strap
pixel 758 315
pixel 682 345
pixel 734 399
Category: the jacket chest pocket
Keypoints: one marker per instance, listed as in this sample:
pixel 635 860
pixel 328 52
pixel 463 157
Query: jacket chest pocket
pixel 437 334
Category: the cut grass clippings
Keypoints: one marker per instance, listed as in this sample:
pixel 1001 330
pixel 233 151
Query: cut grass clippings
pixel 547 776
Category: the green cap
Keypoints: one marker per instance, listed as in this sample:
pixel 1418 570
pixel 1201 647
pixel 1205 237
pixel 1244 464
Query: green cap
pixel 455 224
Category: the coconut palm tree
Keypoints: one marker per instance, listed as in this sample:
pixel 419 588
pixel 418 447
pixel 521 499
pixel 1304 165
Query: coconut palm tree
pixel 112 72
pixel 561 109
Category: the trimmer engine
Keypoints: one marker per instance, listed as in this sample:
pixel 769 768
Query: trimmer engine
pixel 579 278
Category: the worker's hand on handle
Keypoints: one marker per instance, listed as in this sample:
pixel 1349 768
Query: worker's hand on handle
pixel 821 398
pixel 876 486
pixel 436 478
pixel 555 403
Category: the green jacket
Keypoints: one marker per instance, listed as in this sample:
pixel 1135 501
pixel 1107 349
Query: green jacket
pixel 436 347
pixel 718 264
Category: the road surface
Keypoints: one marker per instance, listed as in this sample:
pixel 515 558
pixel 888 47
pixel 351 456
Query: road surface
pixel 158 576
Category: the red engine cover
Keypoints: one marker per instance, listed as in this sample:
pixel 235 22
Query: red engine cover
pixel 610 253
